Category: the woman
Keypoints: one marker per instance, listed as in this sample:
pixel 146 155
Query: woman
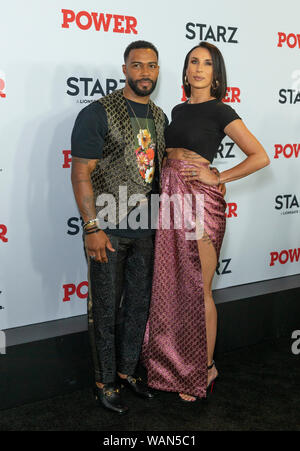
pixel 181 330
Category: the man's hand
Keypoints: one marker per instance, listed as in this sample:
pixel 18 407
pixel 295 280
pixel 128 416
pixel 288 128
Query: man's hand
pixel 96 244
pixel 221 187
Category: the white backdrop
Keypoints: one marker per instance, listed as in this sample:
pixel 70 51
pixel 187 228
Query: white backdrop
pixel 48 72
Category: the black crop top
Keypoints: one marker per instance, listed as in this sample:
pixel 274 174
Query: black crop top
pixel 199 127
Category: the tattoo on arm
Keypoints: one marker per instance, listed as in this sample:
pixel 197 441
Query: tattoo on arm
pixel 81 160
pixel 82 186
pixel 77 181
pixel 88 206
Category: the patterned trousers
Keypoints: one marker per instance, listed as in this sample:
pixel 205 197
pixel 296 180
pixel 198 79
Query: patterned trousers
pixel 118 306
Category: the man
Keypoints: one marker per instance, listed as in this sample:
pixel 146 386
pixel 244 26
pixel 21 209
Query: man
pixel 118 144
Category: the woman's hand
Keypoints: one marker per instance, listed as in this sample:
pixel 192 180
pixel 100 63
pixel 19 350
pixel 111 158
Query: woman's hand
pixel 221 186
pixel 198 172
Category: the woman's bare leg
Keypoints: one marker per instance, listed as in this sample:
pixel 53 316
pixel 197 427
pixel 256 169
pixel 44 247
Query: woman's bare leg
pixel 208 259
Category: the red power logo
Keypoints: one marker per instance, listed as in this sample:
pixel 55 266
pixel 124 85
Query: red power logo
pixel 292 40
pixel 231 210
pixel 290 255
pixel 2 87
pixel 67 159
pixel 3 232
pixel 99 21
pixel 70 289
pixel 232 95
pixel 287 150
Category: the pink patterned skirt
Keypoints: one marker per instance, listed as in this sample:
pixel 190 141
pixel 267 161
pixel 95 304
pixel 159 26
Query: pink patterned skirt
pixel 175 350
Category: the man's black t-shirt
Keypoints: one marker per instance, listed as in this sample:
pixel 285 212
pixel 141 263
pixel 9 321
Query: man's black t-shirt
pixel 88 138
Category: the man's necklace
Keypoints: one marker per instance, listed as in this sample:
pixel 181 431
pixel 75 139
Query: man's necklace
pixel 137 118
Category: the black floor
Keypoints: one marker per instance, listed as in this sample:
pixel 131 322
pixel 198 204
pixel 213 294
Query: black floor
pixel 258 390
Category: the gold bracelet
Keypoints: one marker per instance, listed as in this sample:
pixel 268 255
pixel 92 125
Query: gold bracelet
pixel 91 222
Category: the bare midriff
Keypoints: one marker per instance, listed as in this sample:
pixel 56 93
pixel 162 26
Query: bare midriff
pixel 184 154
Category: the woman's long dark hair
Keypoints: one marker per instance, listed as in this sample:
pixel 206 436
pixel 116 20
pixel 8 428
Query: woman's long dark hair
pixel 219 87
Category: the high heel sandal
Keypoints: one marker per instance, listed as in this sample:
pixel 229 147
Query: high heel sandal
pixel 186 400
pixel 210 386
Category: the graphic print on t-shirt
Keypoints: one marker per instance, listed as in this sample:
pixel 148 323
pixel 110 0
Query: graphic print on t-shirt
pixel 145 155
pixel 145 147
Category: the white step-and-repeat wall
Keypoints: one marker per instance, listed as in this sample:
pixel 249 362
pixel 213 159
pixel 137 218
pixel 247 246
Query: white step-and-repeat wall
pixel 57 56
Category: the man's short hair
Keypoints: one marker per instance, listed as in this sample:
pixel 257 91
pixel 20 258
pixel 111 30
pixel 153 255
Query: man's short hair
pixel 139 45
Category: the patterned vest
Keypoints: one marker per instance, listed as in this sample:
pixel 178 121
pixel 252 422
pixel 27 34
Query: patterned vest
pixel 118 164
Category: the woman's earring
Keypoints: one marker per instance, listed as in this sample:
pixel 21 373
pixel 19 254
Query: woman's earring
pixel 185 81
pixel 215 85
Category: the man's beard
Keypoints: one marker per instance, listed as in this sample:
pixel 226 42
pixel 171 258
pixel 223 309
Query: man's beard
pixel 141 92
